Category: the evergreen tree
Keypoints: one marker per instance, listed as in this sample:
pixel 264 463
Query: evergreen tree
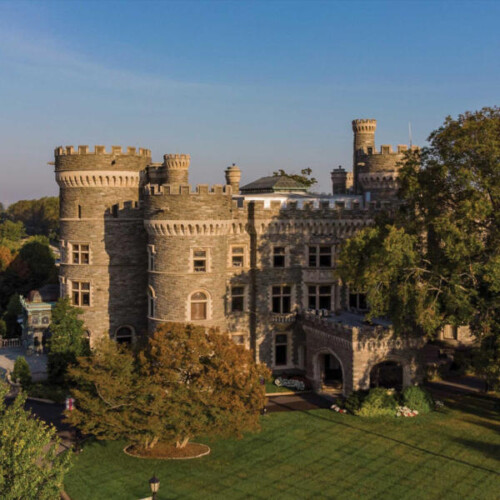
pixel 67 341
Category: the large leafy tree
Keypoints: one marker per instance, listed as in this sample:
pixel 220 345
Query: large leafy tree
pixel 67 341
pixel 186 382
pixel 436 260
pixel 39 216
pixel 29 464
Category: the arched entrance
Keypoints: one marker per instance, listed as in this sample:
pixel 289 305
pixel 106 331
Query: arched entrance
pixel 329 371
pixel 387 374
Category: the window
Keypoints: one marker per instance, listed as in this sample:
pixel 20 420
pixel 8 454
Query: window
pixel 319 296
pixel 281 349
pixel 237 256
pixel 237 299
pixel 279 257
pixel 79 211
pixel 358 301
pixel 451 332
pixel 151 258
pixel 199 303
pixel 200 261
pixel 114 210
pixel 124 335
pixel 151 303
pixel 80 293
pixel 282 299
pixel 320 256
pixel 81 254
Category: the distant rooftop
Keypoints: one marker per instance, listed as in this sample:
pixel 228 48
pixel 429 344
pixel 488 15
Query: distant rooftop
pixel 274 184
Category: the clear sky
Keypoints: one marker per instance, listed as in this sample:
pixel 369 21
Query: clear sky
pixel 265 85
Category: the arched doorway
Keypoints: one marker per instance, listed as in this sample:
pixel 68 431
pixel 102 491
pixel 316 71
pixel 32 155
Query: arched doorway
pixel 387 374
pixel 329 370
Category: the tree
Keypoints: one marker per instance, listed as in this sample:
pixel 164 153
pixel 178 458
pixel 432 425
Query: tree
pixel 67 341
pixel 39 216
pixel 12 231
pixel 186 382
pixel 21 372
pixel 436 260
pixel 36 253
pixel 29 464
pixel 6 257
pixel 304 177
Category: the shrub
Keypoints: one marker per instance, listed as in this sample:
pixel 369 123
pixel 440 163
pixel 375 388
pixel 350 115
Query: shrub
pixel 21 372
pixel 354 401
pixel 378 403
pixel 417 398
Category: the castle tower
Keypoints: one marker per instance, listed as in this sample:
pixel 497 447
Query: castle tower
pixel 364 141
pixel 233 177
pixel 339 180
pixel 188 244
pixel 176 169
pixel 103 242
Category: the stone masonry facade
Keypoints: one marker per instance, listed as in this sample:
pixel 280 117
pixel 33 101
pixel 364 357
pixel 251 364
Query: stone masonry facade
pixel 141 247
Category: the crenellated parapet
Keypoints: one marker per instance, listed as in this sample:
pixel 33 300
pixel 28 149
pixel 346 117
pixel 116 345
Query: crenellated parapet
pixel 101 150
pixel 176 161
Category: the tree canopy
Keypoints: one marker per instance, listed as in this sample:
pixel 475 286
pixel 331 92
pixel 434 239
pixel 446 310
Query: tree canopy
pixel 29 464
pixel 304 177
pixel 436 260
pixel 67 341
pixel 39 216
pixel 186 382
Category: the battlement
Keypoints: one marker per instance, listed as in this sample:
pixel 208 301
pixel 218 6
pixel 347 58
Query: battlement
pixel 364 125
pixel 186 190
pixel 176 161
pixel 386 149
pixel 101 150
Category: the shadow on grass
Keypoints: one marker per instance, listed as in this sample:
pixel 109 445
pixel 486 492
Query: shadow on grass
pixel 411 446
pixel 489 450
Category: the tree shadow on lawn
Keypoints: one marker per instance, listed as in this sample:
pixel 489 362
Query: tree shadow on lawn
pixel 404 443
pixel 489 450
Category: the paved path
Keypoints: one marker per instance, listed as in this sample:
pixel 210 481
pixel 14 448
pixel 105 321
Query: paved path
pixel 37 362
pixel 303 401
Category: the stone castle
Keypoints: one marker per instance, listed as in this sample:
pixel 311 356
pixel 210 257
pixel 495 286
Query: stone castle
pixel 140 247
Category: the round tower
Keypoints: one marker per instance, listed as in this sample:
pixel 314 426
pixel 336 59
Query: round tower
pixel 188 241
pixel 103 241
pixel 176 169
pixel 233 177
pixel 364 141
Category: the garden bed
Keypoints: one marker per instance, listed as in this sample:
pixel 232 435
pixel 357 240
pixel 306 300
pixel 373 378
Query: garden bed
pixel 165 451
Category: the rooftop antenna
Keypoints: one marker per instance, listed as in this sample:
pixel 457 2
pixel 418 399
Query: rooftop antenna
pixel 409 133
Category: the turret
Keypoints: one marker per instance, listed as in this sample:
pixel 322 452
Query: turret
pixel 103 241
pixel 364 141
pixel 339 180
pixel 233 177
pixel 176 169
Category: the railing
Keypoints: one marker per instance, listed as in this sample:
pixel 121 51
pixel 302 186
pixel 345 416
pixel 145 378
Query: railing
pixel 10 343
pixel 284 318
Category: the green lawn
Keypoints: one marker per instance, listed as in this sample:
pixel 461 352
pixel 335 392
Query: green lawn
pixel 452 453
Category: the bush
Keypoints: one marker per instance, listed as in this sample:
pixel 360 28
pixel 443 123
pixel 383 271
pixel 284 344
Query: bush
pixel 417 398
pixel 21 372
pixel 378 403
pixel 354 401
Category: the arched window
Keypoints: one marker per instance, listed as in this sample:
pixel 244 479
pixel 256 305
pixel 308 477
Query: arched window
pixel 199 306
pixel 124 335
pixel 151 302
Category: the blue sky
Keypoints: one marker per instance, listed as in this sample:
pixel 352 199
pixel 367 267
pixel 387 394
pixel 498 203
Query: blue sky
pixel 266 85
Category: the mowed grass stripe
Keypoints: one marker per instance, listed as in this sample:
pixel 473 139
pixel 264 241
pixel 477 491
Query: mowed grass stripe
pixel 453 453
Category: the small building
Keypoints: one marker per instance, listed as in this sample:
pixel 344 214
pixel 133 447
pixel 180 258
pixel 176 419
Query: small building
pixel 37 314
